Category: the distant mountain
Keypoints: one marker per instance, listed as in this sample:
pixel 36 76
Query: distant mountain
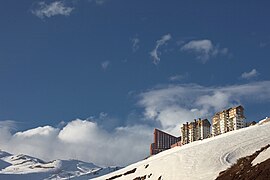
pixel 207 159
pixel 26 167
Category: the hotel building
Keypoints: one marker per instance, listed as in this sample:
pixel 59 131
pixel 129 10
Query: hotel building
pixel 196 130
pixel 228 120
pixel 162 141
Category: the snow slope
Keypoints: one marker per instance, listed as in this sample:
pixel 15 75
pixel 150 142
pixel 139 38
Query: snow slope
pixel 27 167
pixel 198 160
pixel 263 156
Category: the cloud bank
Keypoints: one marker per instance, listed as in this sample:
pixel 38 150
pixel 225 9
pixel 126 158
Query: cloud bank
pixel 172 105
pixel 203 49
pixel 80 139
pixel 165 107
pixel 49 10
pixel 155 52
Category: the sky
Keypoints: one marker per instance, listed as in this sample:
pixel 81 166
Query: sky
pixel 91 79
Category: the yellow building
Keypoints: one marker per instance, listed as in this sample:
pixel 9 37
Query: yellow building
pixel 228 120
pixel 196 130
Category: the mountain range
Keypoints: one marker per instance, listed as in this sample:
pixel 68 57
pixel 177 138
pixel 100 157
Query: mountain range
pixel 240 154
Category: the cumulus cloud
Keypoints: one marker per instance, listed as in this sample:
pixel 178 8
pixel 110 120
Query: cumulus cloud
pixel 105 65
pixel 80 139
pixel 40 131
pixel 248 75
pixel 155 53
pixel 135 44
pixel 49 10
pixel 204 49
pixel 173 105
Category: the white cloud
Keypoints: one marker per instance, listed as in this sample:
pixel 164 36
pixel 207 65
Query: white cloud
pixel 135 44
pixel 40 131
pixel 166 106
pixel 204 49
pixel 105 65
pixel 79 132
pixel 55 8
pixel 178 77
pixel 83 140
pixel 155 53
pixel 248 75
pixel 170 106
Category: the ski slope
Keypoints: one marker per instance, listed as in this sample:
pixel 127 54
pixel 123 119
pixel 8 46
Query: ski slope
pixel 199 160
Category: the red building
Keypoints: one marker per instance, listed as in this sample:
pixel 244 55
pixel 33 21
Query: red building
pixel 162 141
pixel 179 143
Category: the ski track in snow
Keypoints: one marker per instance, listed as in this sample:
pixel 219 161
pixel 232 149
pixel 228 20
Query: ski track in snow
pixel 201 159
pixel 226 158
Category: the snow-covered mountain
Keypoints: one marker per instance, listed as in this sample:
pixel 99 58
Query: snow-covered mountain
pixel 206 159
pixel 201 159
pixel 27 167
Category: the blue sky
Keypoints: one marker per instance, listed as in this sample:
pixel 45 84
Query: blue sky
pixel 124 64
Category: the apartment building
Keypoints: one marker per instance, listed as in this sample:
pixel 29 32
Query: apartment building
pixel 228 120
pixel 162 141
pixel 196 130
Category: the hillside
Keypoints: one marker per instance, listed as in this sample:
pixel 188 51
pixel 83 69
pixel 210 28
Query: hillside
pixel 199 160
pixel 26 167
pixel 255 166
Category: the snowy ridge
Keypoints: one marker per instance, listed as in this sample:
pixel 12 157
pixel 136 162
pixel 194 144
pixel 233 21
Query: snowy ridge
pixel 198 160
pixel 27 167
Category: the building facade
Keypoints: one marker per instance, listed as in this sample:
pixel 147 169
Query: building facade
pixel 196 130
pixel 228 120
pixel 162 141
